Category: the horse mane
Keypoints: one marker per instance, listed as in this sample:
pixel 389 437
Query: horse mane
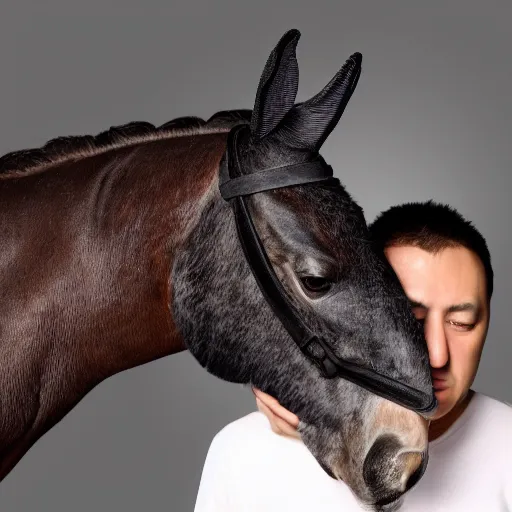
pixel 61 149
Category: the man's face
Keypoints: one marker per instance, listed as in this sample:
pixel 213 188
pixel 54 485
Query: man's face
pixel 448 294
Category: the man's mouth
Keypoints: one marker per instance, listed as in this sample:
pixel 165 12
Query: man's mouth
pixel 440 380
pixel 440 384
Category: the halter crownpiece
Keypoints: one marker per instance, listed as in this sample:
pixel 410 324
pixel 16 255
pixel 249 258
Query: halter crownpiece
pixel 234 188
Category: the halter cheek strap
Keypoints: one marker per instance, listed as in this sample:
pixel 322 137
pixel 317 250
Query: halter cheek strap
pixel 236 189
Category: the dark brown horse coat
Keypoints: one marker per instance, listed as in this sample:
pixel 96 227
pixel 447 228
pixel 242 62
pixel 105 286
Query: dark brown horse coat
pixel 85 257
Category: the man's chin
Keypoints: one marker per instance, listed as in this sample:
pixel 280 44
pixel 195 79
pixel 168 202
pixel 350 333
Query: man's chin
pixel 443 395
pixel 445 402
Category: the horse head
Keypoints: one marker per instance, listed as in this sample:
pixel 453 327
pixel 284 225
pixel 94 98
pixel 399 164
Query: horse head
pixel 315 240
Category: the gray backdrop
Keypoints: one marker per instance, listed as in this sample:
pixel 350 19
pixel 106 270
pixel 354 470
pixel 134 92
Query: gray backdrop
pixel 430 119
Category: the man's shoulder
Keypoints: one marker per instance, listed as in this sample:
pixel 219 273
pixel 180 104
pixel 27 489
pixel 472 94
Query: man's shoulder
pixel 488 404
pixel 246 456
pixel 494 416
pixel 253 424
pixel 251 435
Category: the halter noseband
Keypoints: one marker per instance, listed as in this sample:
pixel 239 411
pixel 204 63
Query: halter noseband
pixel 234 187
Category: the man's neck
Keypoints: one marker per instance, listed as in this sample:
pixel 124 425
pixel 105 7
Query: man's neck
pixel 440 426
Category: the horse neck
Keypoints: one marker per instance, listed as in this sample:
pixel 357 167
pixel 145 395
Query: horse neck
pixel 116 221
pixel 95 241
pixel 154 201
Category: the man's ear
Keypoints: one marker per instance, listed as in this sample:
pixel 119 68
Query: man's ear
pixel 278 86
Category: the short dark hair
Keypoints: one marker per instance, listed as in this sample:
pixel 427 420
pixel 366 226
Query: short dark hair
pixel 430 226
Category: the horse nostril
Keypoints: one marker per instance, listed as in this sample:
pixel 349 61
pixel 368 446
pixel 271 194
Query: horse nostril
pixel 389 473
pixel 417 473
pixel 377 469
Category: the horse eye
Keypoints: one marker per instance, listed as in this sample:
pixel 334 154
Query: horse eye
pixel 316 285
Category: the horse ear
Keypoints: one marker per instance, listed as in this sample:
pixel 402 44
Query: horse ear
pixel 308 124
pixel 278 86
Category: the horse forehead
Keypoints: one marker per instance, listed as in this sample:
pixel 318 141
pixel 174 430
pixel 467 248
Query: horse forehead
pixel 331 205
pixel 337 230
pixel 334 221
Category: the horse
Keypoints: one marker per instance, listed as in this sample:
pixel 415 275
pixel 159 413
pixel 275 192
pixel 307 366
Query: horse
pixel 119 249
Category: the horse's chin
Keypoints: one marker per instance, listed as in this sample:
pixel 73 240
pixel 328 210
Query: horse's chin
pixel 393 506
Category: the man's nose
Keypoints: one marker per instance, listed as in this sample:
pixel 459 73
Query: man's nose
pixel 437 343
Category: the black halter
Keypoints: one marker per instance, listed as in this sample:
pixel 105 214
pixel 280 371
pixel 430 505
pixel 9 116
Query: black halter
pixel 234 186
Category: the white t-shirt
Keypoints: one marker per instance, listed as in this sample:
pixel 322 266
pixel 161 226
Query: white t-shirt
pixel 249 468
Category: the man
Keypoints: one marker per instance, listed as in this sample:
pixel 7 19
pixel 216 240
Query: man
pixel 445 269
